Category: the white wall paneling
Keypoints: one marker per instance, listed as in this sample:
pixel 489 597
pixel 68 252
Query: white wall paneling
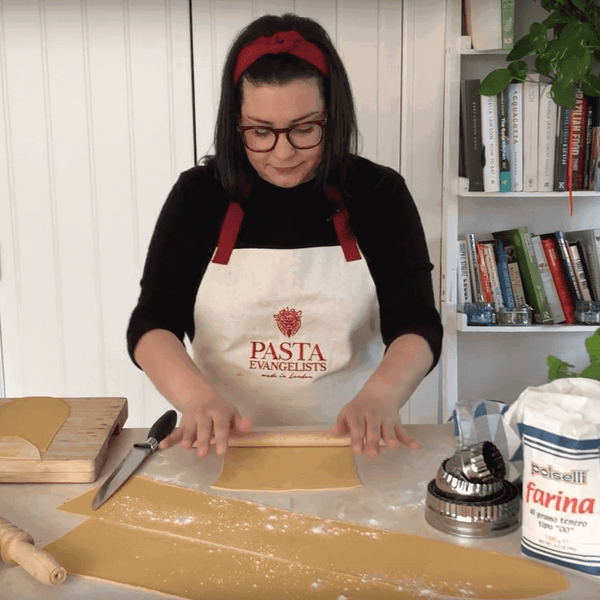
pixel 424 33
pixel 97 124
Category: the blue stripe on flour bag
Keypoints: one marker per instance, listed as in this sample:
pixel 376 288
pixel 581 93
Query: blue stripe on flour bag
pixel 481 421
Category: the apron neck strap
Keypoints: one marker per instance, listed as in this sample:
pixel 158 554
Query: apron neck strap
pixel 341 223
pixel 235 214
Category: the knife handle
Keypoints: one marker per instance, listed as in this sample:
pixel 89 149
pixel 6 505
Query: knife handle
pixel 163 427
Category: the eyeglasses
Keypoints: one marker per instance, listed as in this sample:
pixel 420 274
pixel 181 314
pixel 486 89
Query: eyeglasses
pixel 302 136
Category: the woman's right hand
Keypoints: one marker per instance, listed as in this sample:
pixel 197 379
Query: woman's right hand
pixel 203 419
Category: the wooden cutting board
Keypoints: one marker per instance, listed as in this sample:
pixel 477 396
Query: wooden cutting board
pixel 78 451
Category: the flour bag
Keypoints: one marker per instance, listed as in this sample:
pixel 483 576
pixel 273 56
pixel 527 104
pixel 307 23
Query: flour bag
pixel 555 429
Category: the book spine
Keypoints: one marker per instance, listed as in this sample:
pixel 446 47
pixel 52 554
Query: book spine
pixel 513 268
pixel 561 149
pixel 558 315
pixel 486 24
pixel 547 139
pixel 588 245
pixel 582 280
pixel 471 133
pixel 531 99
pixel 568 269
pixel 504 275
pixel 491 166
pixel 492 268
pixel 464 279
pixel 484 275
pixel 508 25
pixel 474 269
pixel 515 95
pixel 503 141
pixel 594 170
pixel 559 279
pixel 578 116
pixel 532 279
pixel 588 143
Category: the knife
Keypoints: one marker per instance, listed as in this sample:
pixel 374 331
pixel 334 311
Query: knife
pixel 137 455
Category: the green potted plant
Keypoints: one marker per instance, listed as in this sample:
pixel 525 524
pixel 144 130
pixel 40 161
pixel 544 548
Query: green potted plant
pixel 566 57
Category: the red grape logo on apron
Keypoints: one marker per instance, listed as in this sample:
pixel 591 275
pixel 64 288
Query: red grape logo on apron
pixel 288 321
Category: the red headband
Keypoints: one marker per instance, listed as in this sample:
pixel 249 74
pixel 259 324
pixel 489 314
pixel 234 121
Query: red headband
pixel 290 42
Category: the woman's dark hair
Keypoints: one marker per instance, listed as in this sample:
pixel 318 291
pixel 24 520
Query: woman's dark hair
pixel 230 160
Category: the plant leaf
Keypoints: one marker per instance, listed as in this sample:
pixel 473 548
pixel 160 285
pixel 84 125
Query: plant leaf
pixel 563 92
pixel 580 4
pixel 542 65
pixel 539 37
pixel 576 65
pixel 495 82
pixel 590 85
pixel 523 47
pixel 554 19
pixel 519 70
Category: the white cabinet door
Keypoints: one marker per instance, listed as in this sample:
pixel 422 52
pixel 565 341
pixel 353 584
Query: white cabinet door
pixel 96 126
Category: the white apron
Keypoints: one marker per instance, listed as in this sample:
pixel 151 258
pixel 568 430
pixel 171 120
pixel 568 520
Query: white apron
pixel 289 336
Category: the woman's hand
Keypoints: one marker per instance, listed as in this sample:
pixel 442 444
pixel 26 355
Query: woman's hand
pixel 367 420
pixel 203 419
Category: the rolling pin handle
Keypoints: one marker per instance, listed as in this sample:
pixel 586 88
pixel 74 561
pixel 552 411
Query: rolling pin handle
pixel 17 548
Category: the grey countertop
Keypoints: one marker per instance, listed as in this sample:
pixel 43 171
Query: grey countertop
pixel 392 497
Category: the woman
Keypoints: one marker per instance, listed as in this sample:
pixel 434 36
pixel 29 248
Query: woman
pixel 317 306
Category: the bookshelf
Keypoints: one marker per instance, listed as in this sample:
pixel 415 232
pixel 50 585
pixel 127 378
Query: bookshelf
pixel 496 362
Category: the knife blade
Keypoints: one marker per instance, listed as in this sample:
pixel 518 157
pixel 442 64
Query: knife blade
pixel 137 455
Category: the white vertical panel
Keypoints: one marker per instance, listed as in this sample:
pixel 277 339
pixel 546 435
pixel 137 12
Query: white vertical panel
pixel 97 106
pixel 29 271
pixel 421 158
pixel 358 45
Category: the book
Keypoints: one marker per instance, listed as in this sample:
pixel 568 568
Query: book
pixel 549 245
pixel 470 106
pixel 516 283
pixel 508 24
pixel 580 271
pixel 464 278
pixel 504 275
pixel 515 137
pixel 489 136
pixel 567 265
pixel 476 290
pixel 483 20
pixel 590 243
pixel 546 139
pixel 530 272
pixel 594 167
pixel 531 99
pixel 492 269
pixel 558 316
pixel 578 117
pixel 484 276
pixel 588 142
pixel 503 141
pixel 561 149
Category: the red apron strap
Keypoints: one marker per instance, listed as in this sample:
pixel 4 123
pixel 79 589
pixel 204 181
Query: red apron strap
pixel 342 227
pixel 229 232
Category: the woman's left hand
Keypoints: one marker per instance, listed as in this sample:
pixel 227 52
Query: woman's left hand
pixel 367 420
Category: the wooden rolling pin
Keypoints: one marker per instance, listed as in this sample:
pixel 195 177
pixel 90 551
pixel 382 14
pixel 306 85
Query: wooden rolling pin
pixel 262 437
pixel 17 548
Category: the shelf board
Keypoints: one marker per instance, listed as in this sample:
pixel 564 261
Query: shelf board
pixel 525 195
pixel 461 325
pixel 466 48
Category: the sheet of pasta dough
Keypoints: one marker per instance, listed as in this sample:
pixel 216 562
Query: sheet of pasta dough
pixel 288 469
pixel 196 545
pixel 35 419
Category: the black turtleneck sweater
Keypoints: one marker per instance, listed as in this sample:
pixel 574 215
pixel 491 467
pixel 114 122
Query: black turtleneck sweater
pixel 383 217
